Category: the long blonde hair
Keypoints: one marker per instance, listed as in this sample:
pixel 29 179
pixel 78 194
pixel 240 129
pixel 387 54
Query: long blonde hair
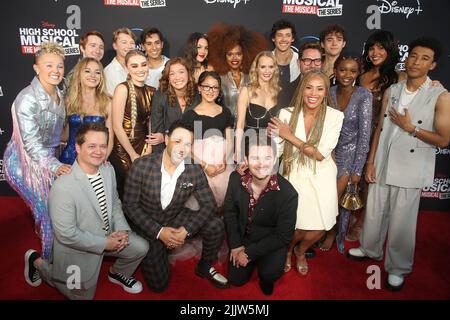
pixel 74 98
pixel 289 155
pixel 253 75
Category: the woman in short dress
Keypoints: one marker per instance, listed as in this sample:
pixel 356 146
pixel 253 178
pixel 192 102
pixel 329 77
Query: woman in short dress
pixel 257 102
pixel 86 101
pixel 310 130
pixel 29 161
pixel 353 145
pixel 131 116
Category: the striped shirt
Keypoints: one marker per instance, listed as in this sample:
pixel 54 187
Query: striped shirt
pixel 97 184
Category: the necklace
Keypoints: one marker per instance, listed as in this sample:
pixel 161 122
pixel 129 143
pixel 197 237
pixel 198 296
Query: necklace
pixel 426 83
pixel 259 118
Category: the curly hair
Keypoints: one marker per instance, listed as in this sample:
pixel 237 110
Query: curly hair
pixel 388 75
pixel 330 29
pixel 74 96
pixel 280 25
pixel 224 37
pixel 166 87
pixel 253 75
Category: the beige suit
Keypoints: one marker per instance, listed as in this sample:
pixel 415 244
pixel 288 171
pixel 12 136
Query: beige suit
pixel 318 203
pixel 80 236
pixel 404 165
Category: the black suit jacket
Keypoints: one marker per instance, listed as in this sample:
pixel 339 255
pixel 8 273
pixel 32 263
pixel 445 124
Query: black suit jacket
pixel 163 115
pixel 142 198
pixel 273 222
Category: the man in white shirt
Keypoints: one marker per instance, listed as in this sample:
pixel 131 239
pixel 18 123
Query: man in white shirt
pixel 158 189
pixel 152 41
pixel 401 162
pixel 124 40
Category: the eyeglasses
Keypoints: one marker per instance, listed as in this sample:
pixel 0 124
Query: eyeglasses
pixel 308 61
pixel 209 88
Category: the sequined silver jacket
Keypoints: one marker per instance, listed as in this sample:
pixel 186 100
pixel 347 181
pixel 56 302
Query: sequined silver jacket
pixel 40 121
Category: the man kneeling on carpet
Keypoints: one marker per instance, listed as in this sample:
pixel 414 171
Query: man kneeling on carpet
pixel 157 194
pixel 88 222
pixel 260 211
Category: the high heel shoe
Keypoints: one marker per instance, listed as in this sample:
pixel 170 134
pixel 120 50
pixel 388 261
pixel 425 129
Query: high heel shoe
pixel 302 268
pixel 287 264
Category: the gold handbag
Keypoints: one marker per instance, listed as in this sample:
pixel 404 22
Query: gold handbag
pixel 351 199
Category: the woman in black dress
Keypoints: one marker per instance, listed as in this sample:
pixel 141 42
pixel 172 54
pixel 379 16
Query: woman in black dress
pixel 213 141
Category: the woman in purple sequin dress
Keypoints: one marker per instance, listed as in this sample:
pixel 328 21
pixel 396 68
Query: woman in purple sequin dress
pixel 353 145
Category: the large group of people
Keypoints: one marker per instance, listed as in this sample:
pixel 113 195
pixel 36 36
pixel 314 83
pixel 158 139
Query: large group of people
pixel 244 148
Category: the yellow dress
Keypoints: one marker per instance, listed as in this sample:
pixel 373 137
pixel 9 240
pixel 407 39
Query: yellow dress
pixel 318 201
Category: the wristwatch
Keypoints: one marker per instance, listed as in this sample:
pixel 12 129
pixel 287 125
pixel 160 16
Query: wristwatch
pixel 416 130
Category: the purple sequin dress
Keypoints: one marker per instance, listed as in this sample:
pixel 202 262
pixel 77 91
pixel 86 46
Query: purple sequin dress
pixel 353 145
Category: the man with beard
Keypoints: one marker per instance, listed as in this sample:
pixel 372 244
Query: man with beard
pixel 260 211
pixel 158 191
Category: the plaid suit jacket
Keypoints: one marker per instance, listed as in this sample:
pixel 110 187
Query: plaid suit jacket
pixel 142 198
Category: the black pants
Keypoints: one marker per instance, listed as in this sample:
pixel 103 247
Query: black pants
pixel 270 268
pixel 121 174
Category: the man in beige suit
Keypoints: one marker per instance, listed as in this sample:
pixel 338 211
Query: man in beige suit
pixel 88 222
pixel 414 120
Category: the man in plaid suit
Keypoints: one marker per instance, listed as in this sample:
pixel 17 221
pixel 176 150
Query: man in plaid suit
pixel 157 189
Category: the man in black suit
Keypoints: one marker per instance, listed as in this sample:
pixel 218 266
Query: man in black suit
pixel 155 201
pixel 260 212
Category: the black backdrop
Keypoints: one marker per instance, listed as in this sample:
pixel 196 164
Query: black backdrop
pixel 25 24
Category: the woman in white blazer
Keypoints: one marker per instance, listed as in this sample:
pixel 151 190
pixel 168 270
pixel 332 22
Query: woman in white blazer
pixel 310 130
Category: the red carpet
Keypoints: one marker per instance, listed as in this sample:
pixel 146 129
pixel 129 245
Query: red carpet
pixel 331 276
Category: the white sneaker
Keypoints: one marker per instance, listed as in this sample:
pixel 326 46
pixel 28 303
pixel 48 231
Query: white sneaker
pixel 395 282
pixel 356 254
pixel 129 284
pixel 32 276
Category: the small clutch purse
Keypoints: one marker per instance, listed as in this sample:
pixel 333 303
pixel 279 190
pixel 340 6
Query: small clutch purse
pixel 351 199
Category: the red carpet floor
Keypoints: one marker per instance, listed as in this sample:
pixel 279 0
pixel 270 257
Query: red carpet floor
pixel 331 276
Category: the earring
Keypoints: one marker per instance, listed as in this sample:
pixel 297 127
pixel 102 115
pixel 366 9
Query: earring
pixel 334 81
pixel 354 82
pixel 367 59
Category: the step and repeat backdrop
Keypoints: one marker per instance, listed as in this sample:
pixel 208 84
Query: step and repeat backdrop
pixel 25 24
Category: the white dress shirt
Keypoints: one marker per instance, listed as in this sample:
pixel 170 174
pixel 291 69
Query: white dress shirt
pixel 155 74
pixel 114 74
pixel 168 184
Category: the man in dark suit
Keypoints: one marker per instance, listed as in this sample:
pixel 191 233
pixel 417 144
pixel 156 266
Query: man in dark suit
pixel 155 201
pixel 260 212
